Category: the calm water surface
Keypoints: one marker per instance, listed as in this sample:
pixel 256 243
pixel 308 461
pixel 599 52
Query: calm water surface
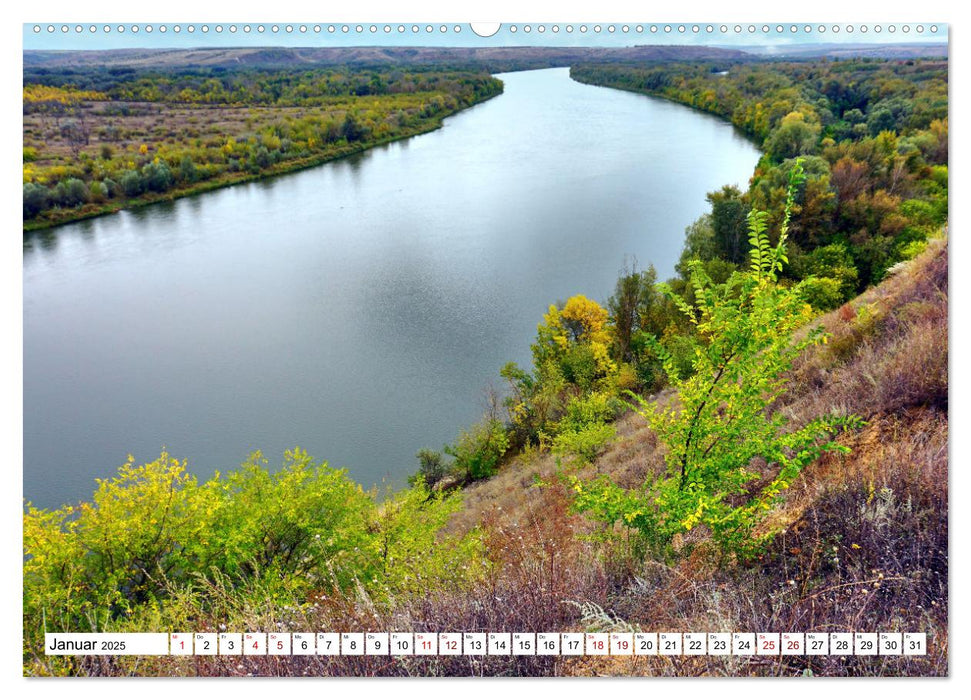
pixel 360 308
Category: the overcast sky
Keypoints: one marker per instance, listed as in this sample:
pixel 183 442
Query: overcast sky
pixel 167 35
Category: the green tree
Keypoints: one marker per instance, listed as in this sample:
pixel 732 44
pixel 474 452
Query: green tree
pixel 630 306
pixel 794 137
pixel 699 244
pixel 722 425
pixel 728 219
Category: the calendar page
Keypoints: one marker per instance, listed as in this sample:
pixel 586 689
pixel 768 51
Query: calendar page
pixel 428 348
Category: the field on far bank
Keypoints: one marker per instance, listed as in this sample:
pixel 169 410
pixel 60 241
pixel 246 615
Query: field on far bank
pixel 98 143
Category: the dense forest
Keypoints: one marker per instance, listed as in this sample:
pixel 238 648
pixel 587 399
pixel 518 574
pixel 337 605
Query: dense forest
pixel 99 139
pixel 758 443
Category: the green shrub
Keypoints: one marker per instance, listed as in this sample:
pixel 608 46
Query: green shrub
pixel 822 293
pixel 70 193
pixel 188 172
pixel 99 193
pixel 584 443
pixel 431 469
pixel 479 449
pixel 132 183
pixel 721 426
pixel 154 537
pixel 157 177
pixel 584 429
pixel 36 199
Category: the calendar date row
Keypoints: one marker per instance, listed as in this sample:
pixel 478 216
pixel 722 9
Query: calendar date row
pixel 490 644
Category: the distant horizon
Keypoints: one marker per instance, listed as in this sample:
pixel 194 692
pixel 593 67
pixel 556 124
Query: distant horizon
pixel 200 36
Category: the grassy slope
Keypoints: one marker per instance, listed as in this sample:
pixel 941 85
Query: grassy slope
pixel 864 541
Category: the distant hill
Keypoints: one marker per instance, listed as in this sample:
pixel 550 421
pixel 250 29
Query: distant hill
pixel 923 50
pixel 493 58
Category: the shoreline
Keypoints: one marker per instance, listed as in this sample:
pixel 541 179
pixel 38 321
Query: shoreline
pixel 71 216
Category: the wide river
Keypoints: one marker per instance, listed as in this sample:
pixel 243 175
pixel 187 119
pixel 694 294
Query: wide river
pixel 358 309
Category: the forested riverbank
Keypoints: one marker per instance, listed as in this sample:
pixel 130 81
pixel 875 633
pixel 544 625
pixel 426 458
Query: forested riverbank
pixel 874 138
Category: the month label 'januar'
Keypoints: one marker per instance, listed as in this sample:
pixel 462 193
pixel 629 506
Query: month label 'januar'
pixel 106 644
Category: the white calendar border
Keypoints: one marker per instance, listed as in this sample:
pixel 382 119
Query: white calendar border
pixel 381 10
